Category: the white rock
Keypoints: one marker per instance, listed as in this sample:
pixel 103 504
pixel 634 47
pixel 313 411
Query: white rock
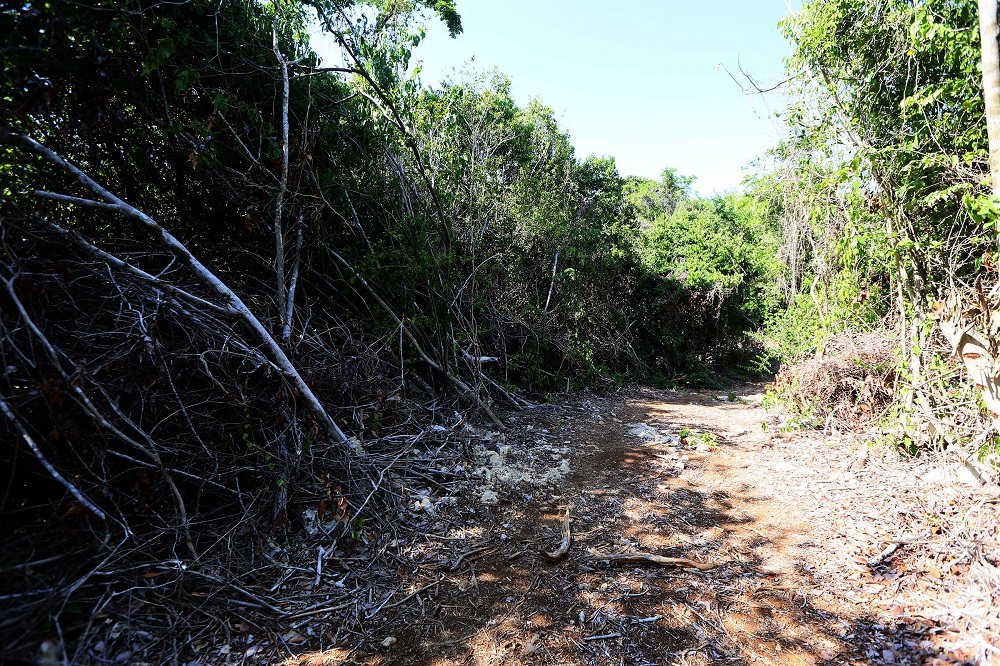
pixel 935 475
pixel 356 446
pixel 641 430
pixel 966 476
pixel 389 640
pixel 489 497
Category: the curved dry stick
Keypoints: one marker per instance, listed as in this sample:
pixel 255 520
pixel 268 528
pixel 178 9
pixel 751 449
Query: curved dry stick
pixel 48 466
pixel 647 558
pixel 563 548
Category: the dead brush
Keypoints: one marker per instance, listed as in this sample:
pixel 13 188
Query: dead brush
pixel 848 385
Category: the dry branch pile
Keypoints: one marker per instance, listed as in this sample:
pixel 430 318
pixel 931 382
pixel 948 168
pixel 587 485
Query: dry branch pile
pixel 162 460
pixel 848 385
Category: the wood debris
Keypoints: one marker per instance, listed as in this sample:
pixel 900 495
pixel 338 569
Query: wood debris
pixel 649 558
pixel 563 548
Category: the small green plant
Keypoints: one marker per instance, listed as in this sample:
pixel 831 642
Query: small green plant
pixel 246 428
pixel 357 528
pixel 770 399
pixel 709 439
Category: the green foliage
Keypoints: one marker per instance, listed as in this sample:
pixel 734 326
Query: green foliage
pixel 654 199
pixel 447 12
pixel 896 123
pixel 718 256
pixel 571 248
pixel 878 192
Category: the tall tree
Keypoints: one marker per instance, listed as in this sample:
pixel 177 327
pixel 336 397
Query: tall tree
pixel 988 33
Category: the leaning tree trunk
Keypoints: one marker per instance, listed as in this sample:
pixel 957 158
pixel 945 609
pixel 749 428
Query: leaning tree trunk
pixel 988 33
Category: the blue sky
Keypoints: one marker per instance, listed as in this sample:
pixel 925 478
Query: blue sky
pixel 634 79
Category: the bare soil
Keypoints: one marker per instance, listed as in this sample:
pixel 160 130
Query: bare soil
pixel 796 525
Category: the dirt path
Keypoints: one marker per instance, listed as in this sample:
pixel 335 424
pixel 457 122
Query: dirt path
pixel 787 523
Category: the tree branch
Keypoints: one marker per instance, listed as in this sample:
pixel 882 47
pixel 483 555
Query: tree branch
pixel 279 238
pixel 462 386
pixel 208 278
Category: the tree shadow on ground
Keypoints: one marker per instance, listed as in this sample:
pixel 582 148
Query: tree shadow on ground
pixel 761 603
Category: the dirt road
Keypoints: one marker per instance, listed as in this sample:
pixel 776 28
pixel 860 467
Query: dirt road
pixel 797 535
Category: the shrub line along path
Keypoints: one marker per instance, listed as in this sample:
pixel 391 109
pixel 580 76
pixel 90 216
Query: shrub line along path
pixel 820 556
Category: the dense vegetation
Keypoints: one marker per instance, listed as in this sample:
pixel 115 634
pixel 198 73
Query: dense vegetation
pixel 227 267
pixel 884 188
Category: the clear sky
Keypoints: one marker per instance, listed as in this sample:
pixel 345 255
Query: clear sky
pixel 636 79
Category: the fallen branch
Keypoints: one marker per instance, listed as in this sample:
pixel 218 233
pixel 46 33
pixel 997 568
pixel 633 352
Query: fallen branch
pixel 893 547
pixel 404 599
pixel 473 554
pixel 563 548
pixel 232 302
pixel 881 557
pixel 322 608
pixel 646 558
